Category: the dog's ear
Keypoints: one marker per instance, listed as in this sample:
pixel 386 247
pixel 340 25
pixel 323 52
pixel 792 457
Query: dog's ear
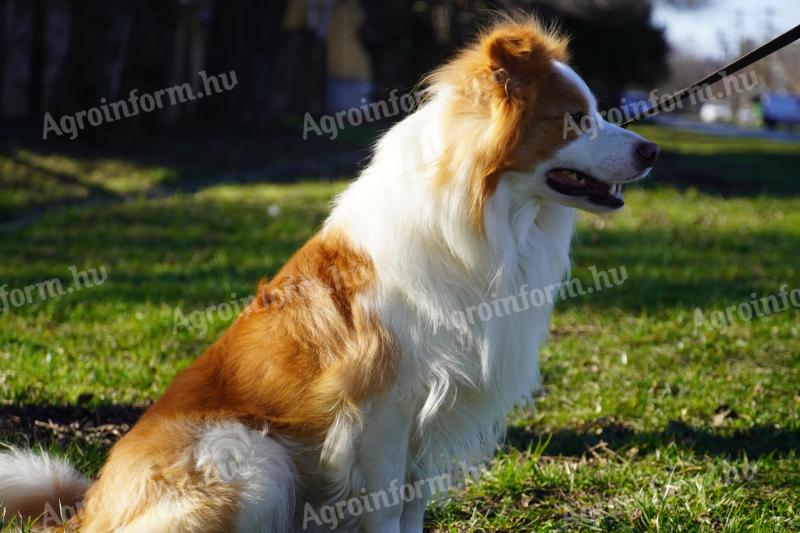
pixel 509 48
pixel 507 57
pixel 517 53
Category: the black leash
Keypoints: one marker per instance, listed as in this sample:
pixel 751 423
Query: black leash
pixel 745 61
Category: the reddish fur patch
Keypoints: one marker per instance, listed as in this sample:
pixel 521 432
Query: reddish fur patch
pixel 304 350
pixel 508 105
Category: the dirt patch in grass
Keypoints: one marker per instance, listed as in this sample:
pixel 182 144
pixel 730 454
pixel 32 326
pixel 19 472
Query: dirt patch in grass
pixel 100 426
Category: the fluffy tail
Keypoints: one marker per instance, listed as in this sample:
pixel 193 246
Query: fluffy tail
pixel 38 487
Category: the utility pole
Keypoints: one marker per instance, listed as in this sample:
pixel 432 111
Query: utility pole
pixel 769 64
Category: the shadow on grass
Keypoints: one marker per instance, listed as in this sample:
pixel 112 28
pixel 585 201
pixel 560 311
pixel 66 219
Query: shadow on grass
pixel 99 426
pixel 187 162
pixel 707 276
pixel 741 174
pixel 754 442
pixel 194 160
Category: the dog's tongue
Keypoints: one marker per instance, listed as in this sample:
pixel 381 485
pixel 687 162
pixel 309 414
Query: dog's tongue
pixel 577 181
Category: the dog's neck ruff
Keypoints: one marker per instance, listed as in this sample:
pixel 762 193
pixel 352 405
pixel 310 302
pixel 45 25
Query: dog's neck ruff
pixel 461 370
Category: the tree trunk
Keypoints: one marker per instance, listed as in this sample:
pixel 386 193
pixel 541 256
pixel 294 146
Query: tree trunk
pixel 95 57
pixel 245 37
pixel 18 44
pixel 150 58
pixel 58 25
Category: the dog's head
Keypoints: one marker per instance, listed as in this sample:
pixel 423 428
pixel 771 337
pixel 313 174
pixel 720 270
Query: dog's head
pixel 518 112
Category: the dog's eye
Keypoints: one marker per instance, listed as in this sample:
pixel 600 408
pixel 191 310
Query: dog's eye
pixel 578 116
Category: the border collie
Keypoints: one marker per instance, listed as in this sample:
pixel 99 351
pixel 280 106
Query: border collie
pixel 350 376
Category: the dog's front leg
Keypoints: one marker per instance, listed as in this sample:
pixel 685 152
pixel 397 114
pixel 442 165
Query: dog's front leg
pixel 382 459
pixel 413 517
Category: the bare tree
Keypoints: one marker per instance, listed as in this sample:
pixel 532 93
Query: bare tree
pixel 18 47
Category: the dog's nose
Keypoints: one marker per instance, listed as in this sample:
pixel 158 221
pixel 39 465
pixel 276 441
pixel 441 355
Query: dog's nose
pixel 648 152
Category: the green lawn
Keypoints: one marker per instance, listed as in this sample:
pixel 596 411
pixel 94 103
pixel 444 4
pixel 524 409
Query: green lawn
pixel 648 423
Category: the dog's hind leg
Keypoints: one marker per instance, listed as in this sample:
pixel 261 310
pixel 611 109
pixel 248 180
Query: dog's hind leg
pixel 260 467
pixel 193 476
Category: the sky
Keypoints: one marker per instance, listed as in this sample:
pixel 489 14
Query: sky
pixel 698 31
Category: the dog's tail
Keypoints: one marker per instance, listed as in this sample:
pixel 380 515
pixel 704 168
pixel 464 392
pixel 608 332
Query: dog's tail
pixel 38 488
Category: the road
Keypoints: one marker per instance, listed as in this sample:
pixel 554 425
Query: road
pixel 725 130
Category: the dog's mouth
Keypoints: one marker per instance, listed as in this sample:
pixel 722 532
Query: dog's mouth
pixel 574 183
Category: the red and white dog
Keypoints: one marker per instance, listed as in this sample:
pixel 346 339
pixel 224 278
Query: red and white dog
pixel 349 375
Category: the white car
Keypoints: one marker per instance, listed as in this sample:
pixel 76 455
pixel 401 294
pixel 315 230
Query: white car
pixel 715 113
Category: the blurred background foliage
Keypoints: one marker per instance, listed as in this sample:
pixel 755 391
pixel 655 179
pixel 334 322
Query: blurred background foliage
pixel 289 61
pixel 290 56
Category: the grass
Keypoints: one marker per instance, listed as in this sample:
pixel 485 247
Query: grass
pixel 36 177
pixel 729 165
pixel 649 422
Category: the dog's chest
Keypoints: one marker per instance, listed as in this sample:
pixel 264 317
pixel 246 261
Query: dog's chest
pixel 469 384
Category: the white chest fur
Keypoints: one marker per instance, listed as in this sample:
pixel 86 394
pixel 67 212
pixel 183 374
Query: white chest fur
pixel 461 371
pixel 471 350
